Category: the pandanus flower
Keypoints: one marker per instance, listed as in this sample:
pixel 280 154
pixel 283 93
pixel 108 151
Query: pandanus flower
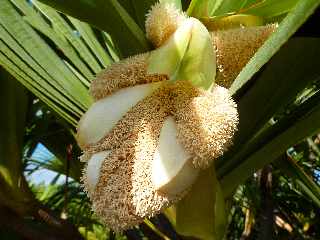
pixel 157 120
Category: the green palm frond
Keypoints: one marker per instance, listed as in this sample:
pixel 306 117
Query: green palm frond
pixel 304 182
pixel 54 56
pixel 265 8
pixel 119 20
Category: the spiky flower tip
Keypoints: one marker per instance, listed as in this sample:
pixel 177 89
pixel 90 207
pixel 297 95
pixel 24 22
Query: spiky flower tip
pixel 162 20
pixel 235 47
pixel 206 122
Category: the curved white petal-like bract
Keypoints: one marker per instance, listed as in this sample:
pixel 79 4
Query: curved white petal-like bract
pixel 172 169
pixel 103 115
pixel 93 168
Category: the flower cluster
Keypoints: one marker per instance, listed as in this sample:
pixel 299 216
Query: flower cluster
pixel 146 138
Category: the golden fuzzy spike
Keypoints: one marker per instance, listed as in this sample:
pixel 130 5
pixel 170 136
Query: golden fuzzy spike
pixel 162 20
pixel 125 195
pixel 111 199
pixel 235 47
pixel 128 72
pixel 206 122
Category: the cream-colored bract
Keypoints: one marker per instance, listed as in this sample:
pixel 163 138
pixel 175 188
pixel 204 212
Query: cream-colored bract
pixel 172 169
pixel 93 168
pixel 103 115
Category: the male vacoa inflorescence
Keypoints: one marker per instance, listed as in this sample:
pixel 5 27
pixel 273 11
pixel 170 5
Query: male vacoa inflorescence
pixel 146 139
